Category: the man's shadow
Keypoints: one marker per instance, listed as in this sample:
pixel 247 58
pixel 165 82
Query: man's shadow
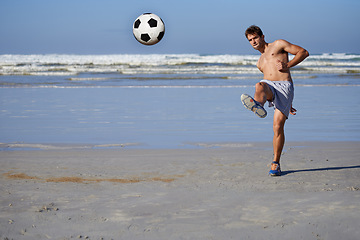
pixel 318 169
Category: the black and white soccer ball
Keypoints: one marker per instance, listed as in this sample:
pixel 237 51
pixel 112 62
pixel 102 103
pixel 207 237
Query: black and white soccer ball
pixel 148 29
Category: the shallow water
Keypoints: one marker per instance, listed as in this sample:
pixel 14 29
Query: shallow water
pixel 169 117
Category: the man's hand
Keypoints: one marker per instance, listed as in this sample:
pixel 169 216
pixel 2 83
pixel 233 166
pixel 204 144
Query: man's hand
pixel 292 111
pixel 281 66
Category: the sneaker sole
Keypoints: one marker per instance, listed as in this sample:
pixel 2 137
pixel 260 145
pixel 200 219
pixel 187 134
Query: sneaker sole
pixel 276 174
pixel 250 104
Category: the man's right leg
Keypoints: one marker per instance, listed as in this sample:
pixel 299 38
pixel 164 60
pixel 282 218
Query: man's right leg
pixel 256 104
pixel 262 93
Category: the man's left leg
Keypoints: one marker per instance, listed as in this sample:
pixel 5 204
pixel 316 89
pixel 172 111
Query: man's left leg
pixel 279 139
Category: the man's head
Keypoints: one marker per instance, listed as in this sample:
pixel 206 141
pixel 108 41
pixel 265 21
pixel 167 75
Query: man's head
pixel 253 30
pixel 255 37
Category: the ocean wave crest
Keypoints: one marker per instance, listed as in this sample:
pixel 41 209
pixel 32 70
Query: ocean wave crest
pixel 131 64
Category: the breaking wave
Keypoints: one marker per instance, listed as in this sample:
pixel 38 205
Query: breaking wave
pixel 168 64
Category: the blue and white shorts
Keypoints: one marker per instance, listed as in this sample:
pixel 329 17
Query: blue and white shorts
pixel 283 92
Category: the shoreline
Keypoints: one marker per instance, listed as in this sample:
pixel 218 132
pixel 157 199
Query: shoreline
pixel 203 193
pixel 20 146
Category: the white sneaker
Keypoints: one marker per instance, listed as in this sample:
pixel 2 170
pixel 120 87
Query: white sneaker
pixel 252 105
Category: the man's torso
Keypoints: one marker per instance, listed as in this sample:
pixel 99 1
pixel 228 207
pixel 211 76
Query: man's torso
pixel 267 63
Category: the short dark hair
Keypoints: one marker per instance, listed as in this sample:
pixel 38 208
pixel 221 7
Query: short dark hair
pixel 253 29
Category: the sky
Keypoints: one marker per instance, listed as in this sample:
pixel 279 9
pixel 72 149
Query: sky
pixel 191 26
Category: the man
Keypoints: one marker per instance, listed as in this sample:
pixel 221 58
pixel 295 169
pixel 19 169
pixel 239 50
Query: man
pixel 277 86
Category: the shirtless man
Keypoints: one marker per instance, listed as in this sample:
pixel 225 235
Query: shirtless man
pixel 277 86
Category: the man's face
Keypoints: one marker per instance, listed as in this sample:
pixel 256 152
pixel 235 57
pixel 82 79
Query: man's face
pixel 256 41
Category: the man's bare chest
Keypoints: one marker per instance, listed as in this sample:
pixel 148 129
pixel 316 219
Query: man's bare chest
pixel 269 59
pixel 263 61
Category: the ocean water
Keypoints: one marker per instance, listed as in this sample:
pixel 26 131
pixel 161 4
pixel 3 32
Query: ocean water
pixel 167 101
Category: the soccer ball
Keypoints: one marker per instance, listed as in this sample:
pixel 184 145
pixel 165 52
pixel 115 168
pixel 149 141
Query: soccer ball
pixel 148 29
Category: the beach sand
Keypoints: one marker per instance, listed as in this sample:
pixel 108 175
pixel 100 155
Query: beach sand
pixel 216 191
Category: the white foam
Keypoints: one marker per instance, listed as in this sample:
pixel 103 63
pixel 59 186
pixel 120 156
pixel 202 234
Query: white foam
pixel 131 64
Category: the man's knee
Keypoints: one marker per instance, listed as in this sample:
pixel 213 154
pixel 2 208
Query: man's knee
pixel 260 86
pixel 278 128
pixel 279 122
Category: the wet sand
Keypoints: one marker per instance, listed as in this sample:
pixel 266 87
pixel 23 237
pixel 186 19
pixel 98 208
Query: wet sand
pixel 216 191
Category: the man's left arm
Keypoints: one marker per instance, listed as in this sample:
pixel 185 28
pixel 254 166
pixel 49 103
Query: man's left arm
pixel 299 52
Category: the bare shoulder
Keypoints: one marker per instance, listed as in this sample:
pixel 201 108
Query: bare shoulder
pixel 281 43
pixel 278 46
pixel 286 46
